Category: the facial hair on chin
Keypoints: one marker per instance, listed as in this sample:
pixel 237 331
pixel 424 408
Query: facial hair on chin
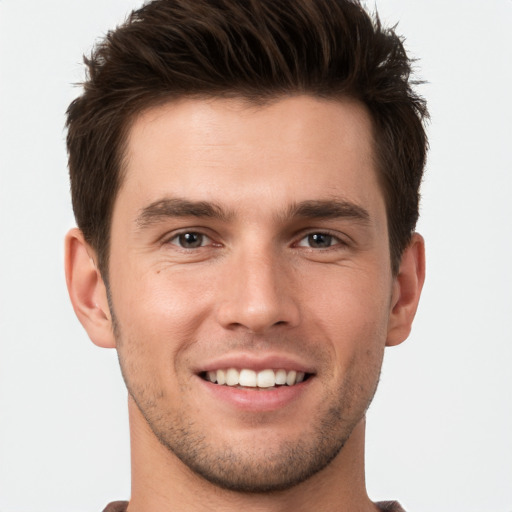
pixel 251 469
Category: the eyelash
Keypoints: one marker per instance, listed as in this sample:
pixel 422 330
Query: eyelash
pixel 336 240
pixel 176 237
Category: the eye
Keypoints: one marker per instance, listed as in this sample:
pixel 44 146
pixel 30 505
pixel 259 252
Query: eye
pixel 319 241
pixel 190 240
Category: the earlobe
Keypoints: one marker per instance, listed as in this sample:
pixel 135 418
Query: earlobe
pixel 87 290
pixel 406 291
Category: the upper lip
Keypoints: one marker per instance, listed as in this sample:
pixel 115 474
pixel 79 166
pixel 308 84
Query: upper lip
pixel 256 362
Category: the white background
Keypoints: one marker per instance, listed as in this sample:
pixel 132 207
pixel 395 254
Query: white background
pixel 440 428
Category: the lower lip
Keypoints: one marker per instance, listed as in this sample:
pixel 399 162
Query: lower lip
pixel 254 399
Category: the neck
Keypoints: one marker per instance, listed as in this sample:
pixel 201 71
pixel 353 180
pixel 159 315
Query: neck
pixel 160 481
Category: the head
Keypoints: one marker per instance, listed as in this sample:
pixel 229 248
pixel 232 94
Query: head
pixel 256 50
pixel 245 177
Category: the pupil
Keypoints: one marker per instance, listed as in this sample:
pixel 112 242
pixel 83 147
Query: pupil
pixel 319 240
pixel 191 240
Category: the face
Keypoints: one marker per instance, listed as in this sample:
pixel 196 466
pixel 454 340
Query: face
pixel 250 283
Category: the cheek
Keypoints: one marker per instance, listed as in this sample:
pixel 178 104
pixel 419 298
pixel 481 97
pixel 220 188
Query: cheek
pixel 158 318
pixel 158 301
pixel 352 314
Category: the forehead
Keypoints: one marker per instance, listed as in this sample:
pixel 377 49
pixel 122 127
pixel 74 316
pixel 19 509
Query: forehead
pixel 235 152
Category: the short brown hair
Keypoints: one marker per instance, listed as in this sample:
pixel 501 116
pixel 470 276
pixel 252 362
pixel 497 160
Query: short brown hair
pixel 258 50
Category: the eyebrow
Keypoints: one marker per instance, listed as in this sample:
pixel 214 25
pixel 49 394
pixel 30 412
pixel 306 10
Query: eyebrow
pixel 177 207
pixel 329 209
pixel 310 209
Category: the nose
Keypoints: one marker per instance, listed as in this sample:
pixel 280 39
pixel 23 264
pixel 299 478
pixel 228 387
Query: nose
pixel 258 293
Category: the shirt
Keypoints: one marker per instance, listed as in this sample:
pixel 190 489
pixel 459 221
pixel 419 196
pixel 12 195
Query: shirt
pixel 385 506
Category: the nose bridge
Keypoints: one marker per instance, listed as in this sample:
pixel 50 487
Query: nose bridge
pixel 259 290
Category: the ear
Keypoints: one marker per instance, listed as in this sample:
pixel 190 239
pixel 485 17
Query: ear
pixel 406 291
pixel 87 290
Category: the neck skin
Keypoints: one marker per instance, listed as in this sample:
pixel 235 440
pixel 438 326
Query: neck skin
pixel 161 482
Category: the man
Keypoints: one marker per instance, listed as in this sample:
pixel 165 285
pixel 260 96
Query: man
pixel 245 182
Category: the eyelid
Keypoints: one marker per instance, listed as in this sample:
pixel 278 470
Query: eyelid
pixel 205 241
pixel 339 240
pixel 171 237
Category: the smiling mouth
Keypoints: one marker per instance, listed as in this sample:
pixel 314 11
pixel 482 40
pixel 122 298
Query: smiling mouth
pixel 245 378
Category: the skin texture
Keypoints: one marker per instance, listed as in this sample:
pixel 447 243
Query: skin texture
pixel 289 265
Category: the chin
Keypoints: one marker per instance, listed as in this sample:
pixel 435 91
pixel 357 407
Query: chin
pixel 258 462
pixel 256 470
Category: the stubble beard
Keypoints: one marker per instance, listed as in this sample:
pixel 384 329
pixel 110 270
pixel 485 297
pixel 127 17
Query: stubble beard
pixel 260 468
pixel 264 470
pixel 252 470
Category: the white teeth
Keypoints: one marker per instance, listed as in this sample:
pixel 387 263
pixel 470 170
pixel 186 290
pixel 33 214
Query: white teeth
pixel 266 379
pixel 221 377
pixel 280 377
pixel 247 378
pixel 290 378
pixel 232 377
pixel 251 379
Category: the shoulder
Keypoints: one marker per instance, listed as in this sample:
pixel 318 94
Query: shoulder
pixel 389 506
pixel 384 506
pixel 116 506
